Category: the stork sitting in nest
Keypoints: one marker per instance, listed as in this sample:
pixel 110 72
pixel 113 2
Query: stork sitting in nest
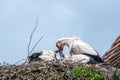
pixel 79 50
pixel 45 55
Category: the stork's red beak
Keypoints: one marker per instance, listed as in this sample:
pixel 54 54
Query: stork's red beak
pixel 60 48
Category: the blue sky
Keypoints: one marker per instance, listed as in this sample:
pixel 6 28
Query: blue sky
pixel 97 22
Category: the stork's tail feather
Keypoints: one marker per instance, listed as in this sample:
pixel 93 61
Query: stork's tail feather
pixel 96 58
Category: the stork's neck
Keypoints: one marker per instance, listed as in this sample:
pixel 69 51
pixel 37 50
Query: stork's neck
pixel 66 42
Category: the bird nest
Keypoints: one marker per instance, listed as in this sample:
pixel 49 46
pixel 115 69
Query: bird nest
pixel 44 70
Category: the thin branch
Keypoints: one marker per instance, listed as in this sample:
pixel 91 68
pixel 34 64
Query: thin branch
pixel 36 44
pixel 31 35
pixel 19 61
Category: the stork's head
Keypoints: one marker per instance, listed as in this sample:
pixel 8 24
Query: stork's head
pixel 60 46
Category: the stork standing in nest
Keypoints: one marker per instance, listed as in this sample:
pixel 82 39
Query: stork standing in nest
pixel 78 49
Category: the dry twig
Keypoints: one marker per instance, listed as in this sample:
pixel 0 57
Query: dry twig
pixel 31 36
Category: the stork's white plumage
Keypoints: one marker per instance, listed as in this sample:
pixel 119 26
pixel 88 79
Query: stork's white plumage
pixel 45 55
pixel 78 47
pixel 48 55
pixel 77 58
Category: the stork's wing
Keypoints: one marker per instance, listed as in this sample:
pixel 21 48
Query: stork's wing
pixel 112 56
pixel 94 58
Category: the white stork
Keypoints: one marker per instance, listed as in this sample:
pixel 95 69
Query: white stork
pixel 78 49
